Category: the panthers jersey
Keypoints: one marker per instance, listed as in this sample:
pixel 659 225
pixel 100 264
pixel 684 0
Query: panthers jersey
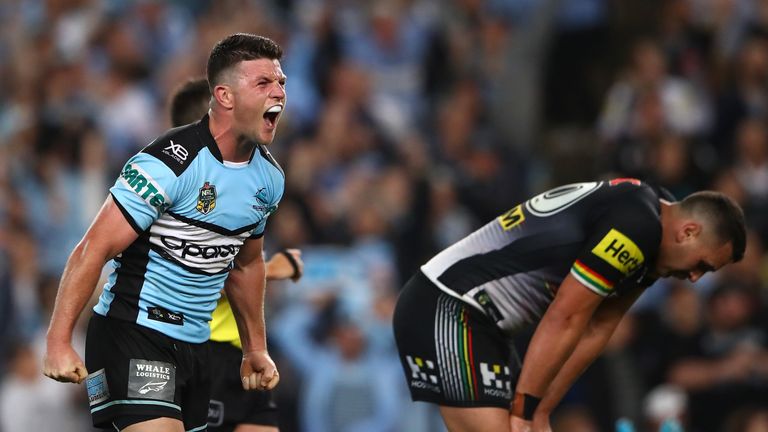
pixel 193 211
pixel 606 234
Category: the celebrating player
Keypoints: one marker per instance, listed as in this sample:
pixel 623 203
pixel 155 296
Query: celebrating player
pixel 231 407
pixel 185 218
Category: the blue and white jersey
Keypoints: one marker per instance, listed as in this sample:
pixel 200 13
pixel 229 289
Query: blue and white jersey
pixel 193 212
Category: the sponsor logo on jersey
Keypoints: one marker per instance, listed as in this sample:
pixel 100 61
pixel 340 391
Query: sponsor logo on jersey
pixel 206 199
pixel 619 251
pixel 512 218
pixel 422 374
pixel 189 249
pixel 96 384
pixel 497 381
pixel 144 185
pixel 160 314
pixel 177 152
pixel 151 379
pixel 155 386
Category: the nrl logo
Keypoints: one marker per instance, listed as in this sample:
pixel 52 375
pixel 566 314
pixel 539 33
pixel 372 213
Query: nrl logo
pixel 206 200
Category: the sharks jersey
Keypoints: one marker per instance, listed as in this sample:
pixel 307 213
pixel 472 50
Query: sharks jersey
pixel 605 234
pixel 193 212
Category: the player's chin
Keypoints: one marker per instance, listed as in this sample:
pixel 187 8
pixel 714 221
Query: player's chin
pixel 263 136
pixel 267 137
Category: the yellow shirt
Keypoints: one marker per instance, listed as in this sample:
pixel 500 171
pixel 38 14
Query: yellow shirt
pixel 223 325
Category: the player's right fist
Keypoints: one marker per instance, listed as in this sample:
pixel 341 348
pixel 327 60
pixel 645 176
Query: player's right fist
pixel 62 363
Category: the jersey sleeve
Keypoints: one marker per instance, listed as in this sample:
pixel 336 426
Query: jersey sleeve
pixel 145 189
pixel 622 241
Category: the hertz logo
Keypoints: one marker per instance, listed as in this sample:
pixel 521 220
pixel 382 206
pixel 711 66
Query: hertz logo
pixel 619 251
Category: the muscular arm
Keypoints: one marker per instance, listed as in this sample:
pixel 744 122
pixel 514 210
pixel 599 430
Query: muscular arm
pixel 245 289
pixel 109 235
pixel 596 336
pixel 556 336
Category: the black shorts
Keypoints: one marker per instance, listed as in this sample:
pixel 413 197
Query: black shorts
pixel 451 353
pixel 140 373
pixel 231 405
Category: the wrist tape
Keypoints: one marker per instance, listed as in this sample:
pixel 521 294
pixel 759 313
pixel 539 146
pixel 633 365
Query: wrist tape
pixel 293 262
pixel 524 405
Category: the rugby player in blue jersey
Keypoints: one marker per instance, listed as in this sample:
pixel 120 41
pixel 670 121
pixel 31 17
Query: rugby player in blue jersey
pixel 185 219
pixel 232 409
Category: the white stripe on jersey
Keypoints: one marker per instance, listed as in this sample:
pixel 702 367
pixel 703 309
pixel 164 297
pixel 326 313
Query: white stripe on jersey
pixel 194 246
pixel 521 299
pixel 447 352
pixel 481 241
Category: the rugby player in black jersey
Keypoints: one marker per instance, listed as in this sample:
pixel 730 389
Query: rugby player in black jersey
pixel 569 262
pixel 232 409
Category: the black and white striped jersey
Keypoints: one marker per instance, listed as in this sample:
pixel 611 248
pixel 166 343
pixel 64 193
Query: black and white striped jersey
pixel 606 234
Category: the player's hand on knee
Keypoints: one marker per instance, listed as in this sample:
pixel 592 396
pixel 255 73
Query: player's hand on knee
pixel 63 364
pixel 258 371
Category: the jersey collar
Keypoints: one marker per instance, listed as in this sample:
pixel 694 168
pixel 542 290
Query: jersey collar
pixel 204 133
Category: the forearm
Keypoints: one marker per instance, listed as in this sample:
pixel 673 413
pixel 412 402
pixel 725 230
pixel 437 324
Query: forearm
pixel 245 290
pixel 552 343
pixel 78 283
pixel 596 335
pixel 588 348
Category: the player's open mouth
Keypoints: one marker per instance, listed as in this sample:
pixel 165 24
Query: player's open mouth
pixel 271 115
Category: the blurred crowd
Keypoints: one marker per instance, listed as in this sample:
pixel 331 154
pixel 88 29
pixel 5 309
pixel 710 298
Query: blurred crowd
pixel 409 123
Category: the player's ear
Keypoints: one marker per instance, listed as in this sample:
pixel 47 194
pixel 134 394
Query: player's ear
pixel 224 96
pixel 689 230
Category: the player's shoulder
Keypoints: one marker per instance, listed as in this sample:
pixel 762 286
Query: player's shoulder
pixel 633 194
pixel 636 204
pixel 178 147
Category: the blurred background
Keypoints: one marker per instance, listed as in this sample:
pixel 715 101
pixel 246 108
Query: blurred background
pixel 409 124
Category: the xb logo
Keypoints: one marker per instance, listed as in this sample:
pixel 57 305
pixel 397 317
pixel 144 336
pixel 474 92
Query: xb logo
pixel 179 152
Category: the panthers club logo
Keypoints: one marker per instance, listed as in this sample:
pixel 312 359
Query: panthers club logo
pixel 206 200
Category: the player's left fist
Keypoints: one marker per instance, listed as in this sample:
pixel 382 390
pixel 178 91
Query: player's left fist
pixel 258 371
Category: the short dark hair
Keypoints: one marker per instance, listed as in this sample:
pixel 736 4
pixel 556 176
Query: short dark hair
pixel 189 102
pixel 724 215
pixel 237 48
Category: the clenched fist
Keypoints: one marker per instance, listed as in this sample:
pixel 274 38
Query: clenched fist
pixel 62 363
